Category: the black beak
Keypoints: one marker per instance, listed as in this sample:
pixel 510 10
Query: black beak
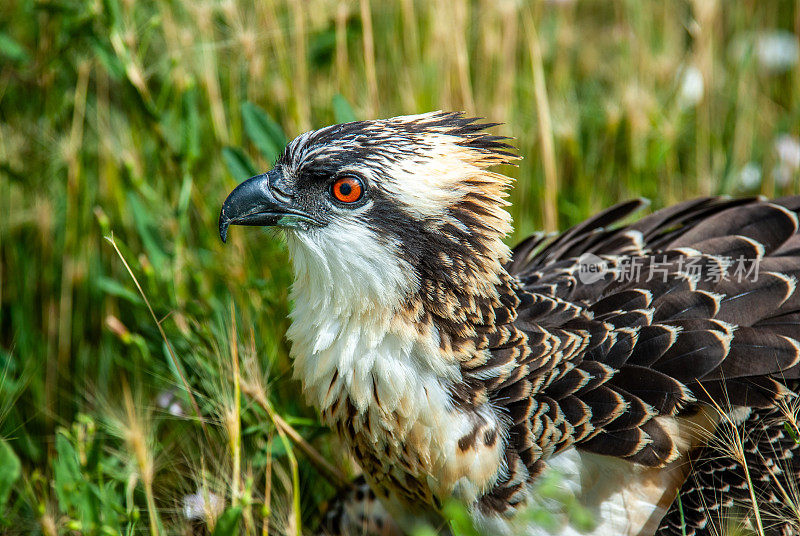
pixel 254 202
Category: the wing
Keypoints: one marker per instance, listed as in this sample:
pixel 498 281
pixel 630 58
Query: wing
pixel 593 361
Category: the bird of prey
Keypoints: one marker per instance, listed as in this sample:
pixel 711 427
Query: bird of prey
pixel 456 368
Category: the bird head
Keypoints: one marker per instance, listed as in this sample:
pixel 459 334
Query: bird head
pixel 372 209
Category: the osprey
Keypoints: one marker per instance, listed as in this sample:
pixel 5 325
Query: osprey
pixel 456 368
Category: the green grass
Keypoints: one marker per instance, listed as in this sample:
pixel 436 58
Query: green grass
pixel 135 119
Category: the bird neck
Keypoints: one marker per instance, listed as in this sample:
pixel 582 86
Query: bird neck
pixel 368 310
pixel 383 361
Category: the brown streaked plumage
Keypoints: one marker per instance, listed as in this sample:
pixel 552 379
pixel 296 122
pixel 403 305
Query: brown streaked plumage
pixel 455 368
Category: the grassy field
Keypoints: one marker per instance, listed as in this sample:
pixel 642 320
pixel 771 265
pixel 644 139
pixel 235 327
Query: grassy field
pixel 124 124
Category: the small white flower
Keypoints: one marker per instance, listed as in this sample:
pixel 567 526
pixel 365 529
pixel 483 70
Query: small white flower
pixel 176 410
pixel 750 176
pixel 196 507
pixel 168 401
pixel 777 51
pixel 787 148
pixel 164 399
pixel 692 86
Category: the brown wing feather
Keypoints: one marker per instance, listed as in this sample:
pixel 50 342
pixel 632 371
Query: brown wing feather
pixel 605 358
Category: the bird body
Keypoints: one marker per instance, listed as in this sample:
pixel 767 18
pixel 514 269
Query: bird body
pixel 454 368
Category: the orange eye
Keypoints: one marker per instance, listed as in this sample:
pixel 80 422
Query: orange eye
pixel 347 189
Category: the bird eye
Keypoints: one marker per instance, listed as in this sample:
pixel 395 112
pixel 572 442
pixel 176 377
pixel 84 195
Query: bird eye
pixel 347 189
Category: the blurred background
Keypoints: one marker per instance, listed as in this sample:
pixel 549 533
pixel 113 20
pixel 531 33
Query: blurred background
pixel 145 385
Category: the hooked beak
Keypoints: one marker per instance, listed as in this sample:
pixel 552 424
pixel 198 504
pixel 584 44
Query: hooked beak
pixel 254 202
